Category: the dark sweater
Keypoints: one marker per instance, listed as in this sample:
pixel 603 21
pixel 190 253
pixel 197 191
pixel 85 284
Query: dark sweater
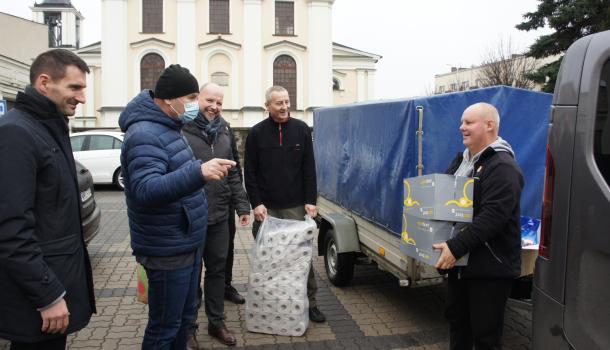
pixel 279 165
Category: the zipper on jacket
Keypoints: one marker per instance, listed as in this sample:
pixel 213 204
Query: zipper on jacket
pixel 212 148
pixel 492 253
pixel 280 128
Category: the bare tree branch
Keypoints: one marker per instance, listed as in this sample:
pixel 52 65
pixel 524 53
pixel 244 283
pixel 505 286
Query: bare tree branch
pixel 502 66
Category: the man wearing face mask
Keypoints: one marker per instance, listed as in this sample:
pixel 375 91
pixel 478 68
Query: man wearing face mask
pixel 166 205
pixel 209 136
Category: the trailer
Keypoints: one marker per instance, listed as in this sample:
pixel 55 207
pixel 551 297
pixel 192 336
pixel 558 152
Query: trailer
pixel 364 151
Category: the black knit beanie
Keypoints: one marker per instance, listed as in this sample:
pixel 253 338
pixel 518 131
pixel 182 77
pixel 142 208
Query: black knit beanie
pixel 175 81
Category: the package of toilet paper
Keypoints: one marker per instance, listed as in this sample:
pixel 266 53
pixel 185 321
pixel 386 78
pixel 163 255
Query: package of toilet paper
pixel 277 284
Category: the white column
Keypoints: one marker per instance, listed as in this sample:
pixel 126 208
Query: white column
pixel 320 92
pixel 370 81
pixel 68 29
pixel 114 60
pixel 90 94
pixel 252 58
pixel 186 45
pixel 360 84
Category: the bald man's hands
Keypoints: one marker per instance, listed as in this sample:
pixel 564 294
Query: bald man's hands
pixel 216 168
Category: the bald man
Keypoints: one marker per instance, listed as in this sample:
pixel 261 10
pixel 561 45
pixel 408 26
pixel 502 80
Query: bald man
pixel 210 137
pixel 477 293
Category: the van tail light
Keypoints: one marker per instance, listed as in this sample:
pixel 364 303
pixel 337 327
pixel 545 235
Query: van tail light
pixel 544 249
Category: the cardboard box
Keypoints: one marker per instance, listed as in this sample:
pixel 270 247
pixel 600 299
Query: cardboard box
pixel 419 234
pixel 439 197
pixel 528 261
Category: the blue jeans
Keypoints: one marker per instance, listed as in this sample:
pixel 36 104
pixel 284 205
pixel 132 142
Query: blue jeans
pixel 172 306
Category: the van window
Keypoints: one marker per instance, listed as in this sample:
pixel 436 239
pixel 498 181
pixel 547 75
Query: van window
pixel 601 142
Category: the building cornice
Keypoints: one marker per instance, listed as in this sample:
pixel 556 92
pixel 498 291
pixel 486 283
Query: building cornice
pixel 220 41
pixel 159 42
pixel 285 43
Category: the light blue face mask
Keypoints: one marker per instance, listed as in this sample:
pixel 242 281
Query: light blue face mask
pixel 191 109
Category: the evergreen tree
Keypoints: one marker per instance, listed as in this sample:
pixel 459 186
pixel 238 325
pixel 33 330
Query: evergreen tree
pixel 571 20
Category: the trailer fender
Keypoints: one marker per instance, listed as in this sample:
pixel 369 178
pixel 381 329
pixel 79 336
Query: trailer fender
pixel 343 228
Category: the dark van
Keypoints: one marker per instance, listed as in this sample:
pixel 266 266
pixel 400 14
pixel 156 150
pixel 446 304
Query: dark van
pixel 571 301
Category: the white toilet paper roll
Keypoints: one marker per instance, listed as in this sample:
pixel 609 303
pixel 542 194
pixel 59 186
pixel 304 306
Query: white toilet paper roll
pixel 297 307
pixel 270 307
pixel 255 293
pixel 299 329
pixel 264 254
pixel 309 234
pixel 269 293
pixel 256 279
pixel 284 238
pixel 278 254
pixel 254 306
pixel 284 306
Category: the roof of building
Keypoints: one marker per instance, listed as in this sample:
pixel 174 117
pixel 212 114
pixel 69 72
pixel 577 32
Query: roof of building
pixel 54 3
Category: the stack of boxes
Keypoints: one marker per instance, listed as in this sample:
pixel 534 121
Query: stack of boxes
pixel 436 207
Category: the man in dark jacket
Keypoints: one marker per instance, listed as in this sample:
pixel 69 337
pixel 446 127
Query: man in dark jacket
pixel 280 172
pixel 166 206
pixel 209 137
pixel 477 293
pixel 45 273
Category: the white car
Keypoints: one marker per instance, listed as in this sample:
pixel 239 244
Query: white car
pixel 100 152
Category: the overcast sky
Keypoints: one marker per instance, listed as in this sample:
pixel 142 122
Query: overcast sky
pixel 417 38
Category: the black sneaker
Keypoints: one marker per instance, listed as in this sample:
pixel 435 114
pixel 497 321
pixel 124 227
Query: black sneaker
pixel 315 315
pixel 233 295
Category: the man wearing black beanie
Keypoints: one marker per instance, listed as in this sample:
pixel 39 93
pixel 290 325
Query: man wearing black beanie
pixel 166 206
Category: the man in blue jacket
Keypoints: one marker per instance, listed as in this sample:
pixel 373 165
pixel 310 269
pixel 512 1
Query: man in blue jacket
pixel 477 293
pixel 166 204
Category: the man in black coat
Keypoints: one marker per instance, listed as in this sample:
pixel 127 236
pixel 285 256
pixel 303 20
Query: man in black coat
pixel 47 288
pixel 280 172
pixel 477 293
pixel 209 137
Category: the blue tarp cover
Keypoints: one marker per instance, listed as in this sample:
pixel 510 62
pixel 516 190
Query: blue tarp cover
pixel 363 151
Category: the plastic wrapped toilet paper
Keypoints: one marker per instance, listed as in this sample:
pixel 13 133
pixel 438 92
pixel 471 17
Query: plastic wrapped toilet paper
pixel 277 283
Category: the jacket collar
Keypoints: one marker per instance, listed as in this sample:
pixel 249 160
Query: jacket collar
pixel 38 105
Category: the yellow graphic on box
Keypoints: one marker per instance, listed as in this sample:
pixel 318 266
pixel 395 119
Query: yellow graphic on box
pixel 463 202
pixel 409 202
pixel 405 234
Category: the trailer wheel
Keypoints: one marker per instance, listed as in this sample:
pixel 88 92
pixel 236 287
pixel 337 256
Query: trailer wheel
pixel 339 266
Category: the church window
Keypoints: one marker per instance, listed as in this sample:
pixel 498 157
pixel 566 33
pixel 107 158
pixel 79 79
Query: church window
pixel 285 74
pixel 284 17
pixel 152 16
pixel 219 16
pixel 151 67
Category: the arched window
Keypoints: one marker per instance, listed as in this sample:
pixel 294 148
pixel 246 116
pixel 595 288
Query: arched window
pixel 285 74
pixel 151 67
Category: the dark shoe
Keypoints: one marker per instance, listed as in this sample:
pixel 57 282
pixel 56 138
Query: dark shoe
pixel 233 295
pixel 315 315
pixel 223 335
pixel 191 342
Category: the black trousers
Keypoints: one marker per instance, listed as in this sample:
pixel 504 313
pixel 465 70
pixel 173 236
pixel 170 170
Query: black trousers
pixel 475 311
pixel 51 344
pixel 214 256
pixel 230 253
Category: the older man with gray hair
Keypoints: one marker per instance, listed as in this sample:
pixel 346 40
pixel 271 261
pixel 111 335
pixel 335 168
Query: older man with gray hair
pixel 477 293
pixel 280 172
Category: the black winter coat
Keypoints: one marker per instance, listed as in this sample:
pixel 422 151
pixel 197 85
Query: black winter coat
pixel 42 251
pixel 279 165
pixel 493 239
pixel 229 190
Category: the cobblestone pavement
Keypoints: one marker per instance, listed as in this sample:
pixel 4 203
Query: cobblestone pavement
pixel 373 312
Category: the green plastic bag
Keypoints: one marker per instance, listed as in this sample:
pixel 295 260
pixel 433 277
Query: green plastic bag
pixel 142 294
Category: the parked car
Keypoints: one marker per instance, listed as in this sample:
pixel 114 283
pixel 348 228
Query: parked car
pixel 571 308
pixel 90 213
pixel 100 152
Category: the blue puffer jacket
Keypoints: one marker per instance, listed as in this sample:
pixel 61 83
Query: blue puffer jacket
pixel 166 204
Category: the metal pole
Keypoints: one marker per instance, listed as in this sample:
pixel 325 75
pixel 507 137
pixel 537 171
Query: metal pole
pixel 420 140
